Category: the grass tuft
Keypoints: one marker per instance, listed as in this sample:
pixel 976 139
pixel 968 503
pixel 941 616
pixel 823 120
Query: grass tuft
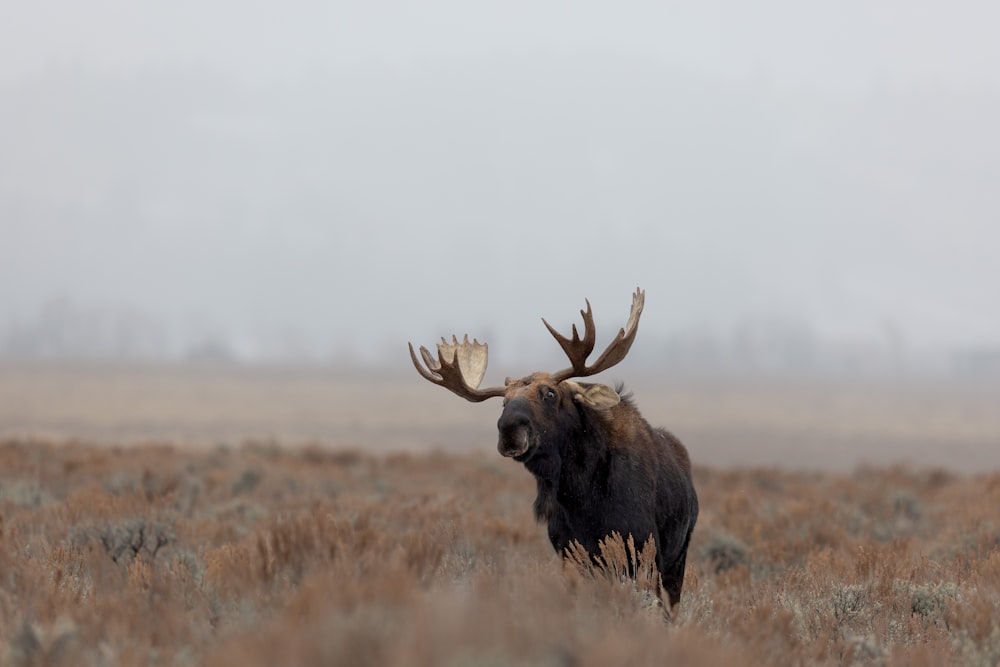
pixel 261 555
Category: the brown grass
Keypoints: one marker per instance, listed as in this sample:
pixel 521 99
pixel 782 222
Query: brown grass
pixel 261 555
pixel 828 423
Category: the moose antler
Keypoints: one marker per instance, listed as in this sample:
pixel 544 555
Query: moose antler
pixel 578 349
pixel 459 368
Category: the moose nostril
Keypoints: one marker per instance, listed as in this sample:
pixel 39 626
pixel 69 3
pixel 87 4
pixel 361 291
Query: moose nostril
pixel 515 440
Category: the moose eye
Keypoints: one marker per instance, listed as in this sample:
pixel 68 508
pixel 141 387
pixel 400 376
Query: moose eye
pixel 549 395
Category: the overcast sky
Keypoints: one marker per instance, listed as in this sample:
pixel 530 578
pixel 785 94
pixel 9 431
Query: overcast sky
pixel 337 178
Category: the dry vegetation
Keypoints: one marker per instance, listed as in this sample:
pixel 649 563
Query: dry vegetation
pixel 264 555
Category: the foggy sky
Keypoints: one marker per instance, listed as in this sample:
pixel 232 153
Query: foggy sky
pixel 335 179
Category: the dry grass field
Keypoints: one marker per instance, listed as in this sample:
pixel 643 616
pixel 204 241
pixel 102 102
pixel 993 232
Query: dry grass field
pixel 213 518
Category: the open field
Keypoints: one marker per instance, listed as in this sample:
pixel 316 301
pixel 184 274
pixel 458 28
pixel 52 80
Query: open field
pixel 261 555
pixel 191 517
pixel 827 424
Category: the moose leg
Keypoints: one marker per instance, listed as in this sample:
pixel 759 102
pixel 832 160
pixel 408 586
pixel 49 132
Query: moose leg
pixel 673 573
pixel 673 579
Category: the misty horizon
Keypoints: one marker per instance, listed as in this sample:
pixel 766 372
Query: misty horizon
pixel 326 182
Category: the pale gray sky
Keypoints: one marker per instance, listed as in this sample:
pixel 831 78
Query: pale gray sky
pixel 334 179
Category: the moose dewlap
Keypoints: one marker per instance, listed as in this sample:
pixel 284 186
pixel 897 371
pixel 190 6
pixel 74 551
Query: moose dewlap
pixel 600 467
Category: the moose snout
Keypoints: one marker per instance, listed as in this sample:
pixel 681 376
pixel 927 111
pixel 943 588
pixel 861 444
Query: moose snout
pixel 515 430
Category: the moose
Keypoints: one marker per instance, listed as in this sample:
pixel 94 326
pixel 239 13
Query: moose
pixel 599 466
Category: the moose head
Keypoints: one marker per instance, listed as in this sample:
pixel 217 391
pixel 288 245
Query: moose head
pixel 536 405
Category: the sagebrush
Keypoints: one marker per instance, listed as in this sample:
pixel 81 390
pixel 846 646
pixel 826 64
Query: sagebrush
pixel 260 555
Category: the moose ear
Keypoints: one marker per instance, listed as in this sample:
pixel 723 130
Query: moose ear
pixel 596 396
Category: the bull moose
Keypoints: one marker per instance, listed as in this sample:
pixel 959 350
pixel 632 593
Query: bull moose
pixel 599 466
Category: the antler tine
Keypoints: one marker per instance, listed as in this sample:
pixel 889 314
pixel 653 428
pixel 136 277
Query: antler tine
pixel 614 353
pixel 576 349
pixel 458 368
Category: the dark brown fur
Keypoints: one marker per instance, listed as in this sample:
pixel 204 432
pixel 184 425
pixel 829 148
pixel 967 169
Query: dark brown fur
pixel 600 470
